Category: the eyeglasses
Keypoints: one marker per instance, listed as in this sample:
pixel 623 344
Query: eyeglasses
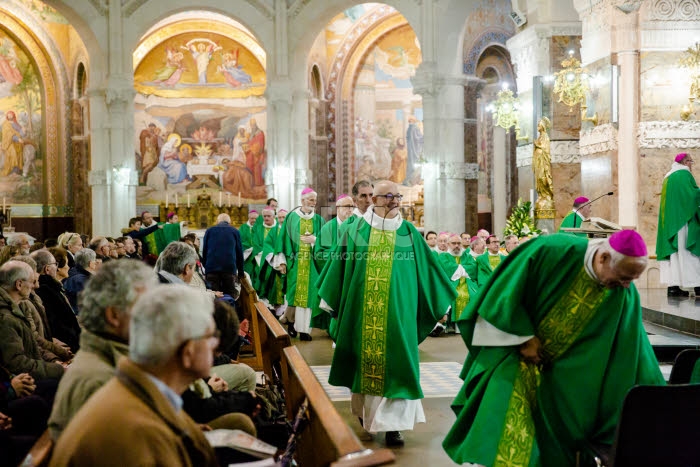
pixel 390 196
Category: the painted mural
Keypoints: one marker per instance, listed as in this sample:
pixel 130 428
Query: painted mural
pixel 187 141
pixel 21 138
pixel 199 64
pixel 388 128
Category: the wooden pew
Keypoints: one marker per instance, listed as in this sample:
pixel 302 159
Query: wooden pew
pixel 40 454
pixel 246 303
pixel 273 338
pixel 327 440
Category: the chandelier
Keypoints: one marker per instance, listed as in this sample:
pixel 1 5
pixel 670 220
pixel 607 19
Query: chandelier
pixel 505 110
pixel 571 85
pixel 691 61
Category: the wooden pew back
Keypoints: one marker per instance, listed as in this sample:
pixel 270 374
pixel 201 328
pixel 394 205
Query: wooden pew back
pixel 40 453
pixel 273 338
pixel 327 440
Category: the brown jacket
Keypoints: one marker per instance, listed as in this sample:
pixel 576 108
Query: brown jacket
pixel 129 422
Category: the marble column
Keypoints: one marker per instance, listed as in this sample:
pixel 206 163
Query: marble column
pixel 627 38
pixel 280 155
pixel 498 192
pixel 472 92
pixel 443 136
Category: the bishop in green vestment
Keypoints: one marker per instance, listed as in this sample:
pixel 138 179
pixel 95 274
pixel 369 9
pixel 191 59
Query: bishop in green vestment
pixel 455 264
pixel 678 238
pixel 325 244
pixel 578 214
pixel 555 342
pixel 487 263
pixel 294 257
pixel 386 290
pixel 246 231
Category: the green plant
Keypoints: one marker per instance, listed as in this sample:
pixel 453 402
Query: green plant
pixel 520 222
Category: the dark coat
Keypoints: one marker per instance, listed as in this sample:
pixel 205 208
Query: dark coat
pixel 62 320
pixel 222 250
pixel 75 284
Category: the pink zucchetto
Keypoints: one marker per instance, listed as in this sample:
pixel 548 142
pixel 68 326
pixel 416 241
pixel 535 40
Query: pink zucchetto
pixel 282 210
pixel 341 197
pixel 475 237
pixel 170 215
pixel 628 243
pixel 679 157
pixel 581 200
pixel 308 191
pixel 252 211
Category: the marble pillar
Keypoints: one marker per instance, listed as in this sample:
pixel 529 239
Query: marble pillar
pixel 499 180
pixel 281 157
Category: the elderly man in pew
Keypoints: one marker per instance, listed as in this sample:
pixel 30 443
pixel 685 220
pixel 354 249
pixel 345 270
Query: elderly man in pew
pixel 19 350
pixel 105 312
pixel 136 418
pixel 555 341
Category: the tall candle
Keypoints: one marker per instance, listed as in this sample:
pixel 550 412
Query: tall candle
pixel 175 199
pixel 166 200
pixel 220 194
pixel 188 200
pixel 239 199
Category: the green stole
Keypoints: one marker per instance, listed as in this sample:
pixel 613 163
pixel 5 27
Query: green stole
pixel 680 199
pixel 247 242
pixel 387 291
pixel 595 347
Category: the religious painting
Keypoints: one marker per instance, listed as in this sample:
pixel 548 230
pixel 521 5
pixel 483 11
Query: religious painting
pixel 388 127
pixel 200 64
pixel 194 146
pixel 21 137
pixel 341 24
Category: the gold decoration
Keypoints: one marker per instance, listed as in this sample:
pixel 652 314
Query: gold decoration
pixel 542 167
pixel 505 110
pixel 571 84
pixel 691 61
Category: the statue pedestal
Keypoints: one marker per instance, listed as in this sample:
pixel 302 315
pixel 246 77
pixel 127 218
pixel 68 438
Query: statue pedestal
pixel 544 220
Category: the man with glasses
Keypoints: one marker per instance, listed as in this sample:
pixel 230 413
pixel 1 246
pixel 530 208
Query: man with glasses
pixel 136 418
pixel 386 290
pixel 678 238
pixel 486 263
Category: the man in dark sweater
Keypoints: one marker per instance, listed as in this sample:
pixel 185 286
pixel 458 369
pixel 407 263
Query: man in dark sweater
pixel 222 254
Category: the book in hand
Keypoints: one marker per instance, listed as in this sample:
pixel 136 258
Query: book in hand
pixel 241 441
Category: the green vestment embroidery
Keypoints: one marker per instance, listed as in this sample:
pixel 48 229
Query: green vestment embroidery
pixel 558 330
pixel 301 295
pixel 462 294
pixel 374 319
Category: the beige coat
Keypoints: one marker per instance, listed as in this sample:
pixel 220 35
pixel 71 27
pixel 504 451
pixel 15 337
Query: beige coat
pixel 129 422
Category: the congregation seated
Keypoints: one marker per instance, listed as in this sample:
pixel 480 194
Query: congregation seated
pixel 34 311
pixel 101 246
pixel 19 351
pixel 135 419
pixel 71 242
pixel 86 264
pixel 106 305
pixel 60 316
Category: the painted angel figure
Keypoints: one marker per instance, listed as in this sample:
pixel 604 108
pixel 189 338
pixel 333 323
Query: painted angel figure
pixel 170 74
pixel 232 71
pixel 202 52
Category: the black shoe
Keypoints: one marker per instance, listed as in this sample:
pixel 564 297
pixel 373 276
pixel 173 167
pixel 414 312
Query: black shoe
pixel 291 331
pixel 676 291
pixel 437 331
pixel 304 336
pixel 394 438
pixel 697 292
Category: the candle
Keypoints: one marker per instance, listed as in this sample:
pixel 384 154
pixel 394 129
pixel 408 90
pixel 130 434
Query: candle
pixel 166 200
pixel 239 199
pixel 228 199
pixel 188 200
pixel 220 194
pixel 4 208
pixel 175 199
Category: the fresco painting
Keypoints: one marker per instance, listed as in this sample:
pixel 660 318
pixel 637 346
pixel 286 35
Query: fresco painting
pixel 21 138
pixel 388 128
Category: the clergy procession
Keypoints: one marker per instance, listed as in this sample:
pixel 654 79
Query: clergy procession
pixel 551 324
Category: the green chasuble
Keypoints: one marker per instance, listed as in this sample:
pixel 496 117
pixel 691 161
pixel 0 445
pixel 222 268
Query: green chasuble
pixel 512 413
pixel 572 221
pixel 485 268
pixel 301 270
pixel 469 264
pixel 271 284
pixel 466 287
pixel 258 236
pixel 680 199
pixel 386 290
pixel 326 241
pixel 246 232
pixel 158 240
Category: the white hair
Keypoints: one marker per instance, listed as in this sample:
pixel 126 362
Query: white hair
pixel 309 194
pixel 223 217
pixel 165 317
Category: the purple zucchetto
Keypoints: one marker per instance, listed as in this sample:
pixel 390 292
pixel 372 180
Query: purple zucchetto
pixel 581 200
pixel 679 157
pixel 252 211
pixel 170 215
pixel 307 191
pixel 628 243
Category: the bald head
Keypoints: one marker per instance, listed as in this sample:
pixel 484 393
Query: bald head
pixel 386 199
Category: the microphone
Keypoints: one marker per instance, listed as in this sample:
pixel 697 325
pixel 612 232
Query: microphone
pixel 609 193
